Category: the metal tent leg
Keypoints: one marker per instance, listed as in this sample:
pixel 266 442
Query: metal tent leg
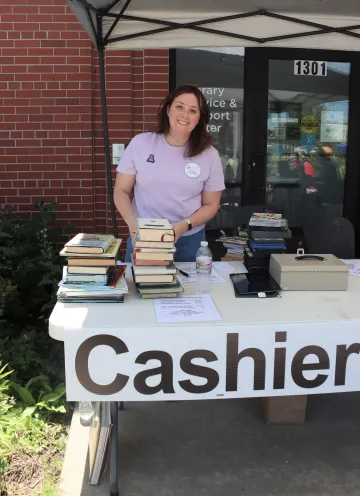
pixel 106 140
pixel 114 461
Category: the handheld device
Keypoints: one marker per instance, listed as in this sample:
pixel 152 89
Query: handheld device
pixel 259 285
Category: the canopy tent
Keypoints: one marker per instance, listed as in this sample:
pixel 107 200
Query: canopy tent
pixel 131 24
pixel 134 24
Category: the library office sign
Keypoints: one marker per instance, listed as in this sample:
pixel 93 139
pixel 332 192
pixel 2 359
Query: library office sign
pixel 212 362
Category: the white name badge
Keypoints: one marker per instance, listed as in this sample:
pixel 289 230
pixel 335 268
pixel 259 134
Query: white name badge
pixel 192 170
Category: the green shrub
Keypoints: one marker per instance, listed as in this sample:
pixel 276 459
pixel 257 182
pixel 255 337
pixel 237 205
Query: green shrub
pixel 30 266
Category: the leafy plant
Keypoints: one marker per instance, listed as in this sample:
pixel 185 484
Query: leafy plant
pixel 30 267
pixel 31 444
pixel 47 402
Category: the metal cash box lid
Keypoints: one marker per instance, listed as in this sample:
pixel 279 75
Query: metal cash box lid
pixel 309 263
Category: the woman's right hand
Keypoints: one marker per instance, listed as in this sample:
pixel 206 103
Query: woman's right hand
pixel 132 230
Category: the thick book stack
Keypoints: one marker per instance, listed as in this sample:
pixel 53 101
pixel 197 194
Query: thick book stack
pixel 267 234
pixel 92 274
pixel 153 259
pixel 234 245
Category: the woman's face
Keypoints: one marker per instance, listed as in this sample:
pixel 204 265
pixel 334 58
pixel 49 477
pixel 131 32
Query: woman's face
pixel 184 113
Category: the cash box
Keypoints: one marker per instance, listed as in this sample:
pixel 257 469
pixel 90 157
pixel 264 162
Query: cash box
pixel 300 272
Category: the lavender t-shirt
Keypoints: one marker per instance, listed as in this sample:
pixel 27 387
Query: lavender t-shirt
pixel 169 185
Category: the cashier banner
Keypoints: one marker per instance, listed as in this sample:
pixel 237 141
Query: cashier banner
pixel 204 362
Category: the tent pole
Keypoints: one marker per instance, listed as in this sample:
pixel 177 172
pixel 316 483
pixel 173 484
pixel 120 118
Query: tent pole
pixel 106 140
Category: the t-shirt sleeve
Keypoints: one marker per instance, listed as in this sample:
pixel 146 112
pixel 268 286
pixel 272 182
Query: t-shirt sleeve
pixel 215 181
pixel 127 162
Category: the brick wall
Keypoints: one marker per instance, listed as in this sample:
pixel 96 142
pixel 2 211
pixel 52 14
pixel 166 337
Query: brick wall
pixel 51 125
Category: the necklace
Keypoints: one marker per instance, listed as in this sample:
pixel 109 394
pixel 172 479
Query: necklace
pixel 181 144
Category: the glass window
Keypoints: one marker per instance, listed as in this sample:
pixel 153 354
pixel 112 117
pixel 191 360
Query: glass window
pixel 219 73
pixel 307 136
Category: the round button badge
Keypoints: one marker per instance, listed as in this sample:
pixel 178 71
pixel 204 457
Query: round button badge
pixel 192 170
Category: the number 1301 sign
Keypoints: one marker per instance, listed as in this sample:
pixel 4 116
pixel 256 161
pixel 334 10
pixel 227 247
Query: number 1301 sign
pixel 310 68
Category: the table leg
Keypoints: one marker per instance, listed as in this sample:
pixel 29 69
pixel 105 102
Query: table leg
pixel 114 462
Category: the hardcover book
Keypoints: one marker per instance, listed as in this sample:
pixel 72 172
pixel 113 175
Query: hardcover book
pixel 89 243
pixel 155 230
pixel 77 270
pixel 156 270
pixel 111 252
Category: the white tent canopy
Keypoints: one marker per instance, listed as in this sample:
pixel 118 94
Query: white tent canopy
pixel 132 24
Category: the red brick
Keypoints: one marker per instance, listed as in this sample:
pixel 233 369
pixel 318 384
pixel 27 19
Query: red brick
pixel 42 183
pixel 13 35
pixel 17 118
pixel 52 43
pixel 17 199
pixel 54 9
pixel 18 18
pixel 6 9
pixel 41 118
pixel 155 61
pixel 155 53
pixel 26 9
pixel 54 175
pixel 9 175
pixel 27 110
pixel 30 95
pixel 27 77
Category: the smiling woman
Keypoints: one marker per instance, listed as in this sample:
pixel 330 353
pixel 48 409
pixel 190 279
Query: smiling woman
pixel 175 172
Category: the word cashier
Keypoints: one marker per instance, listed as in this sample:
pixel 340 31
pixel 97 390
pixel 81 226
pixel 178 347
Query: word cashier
pixel 283 369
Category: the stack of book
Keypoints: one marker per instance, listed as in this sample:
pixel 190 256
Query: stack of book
pixel 234 245
pixel 267 233
pixel 153 259
pixel 92 274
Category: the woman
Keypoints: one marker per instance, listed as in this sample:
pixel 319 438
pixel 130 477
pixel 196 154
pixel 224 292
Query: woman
pixel 175 172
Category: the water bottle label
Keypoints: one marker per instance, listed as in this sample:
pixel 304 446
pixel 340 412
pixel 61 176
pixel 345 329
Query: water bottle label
pixel 204 264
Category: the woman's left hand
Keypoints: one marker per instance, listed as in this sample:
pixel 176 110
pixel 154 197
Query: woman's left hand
pixel 180 228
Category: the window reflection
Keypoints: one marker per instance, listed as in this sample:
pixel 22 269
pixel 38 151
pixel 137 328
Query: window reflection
pixel 219 73
pixel 307 137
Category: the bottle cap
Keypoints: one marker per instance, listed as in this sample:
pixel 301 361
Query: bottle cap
pixel 204 243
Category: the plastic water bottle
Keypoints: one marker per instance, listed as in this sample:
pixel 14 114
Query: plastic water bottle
pixel 203 268
pixel 86 412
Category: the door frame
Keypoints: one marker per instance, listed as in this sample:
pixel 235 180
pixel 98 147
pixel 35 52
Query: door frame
pixel 256 77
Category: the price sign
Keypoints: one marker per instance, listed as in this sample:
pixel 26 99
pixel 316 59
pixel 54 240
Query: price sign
pixel 310 68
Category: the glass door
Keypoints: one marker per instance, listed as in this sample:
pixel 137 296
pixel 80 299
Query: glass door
pixel 307 134
pixel 302 111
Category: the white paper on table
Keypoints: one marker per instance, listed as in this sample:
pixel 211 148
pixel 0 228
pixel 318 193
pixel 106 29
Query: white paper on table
pixel 186 309
pixel 223 266
pixel 226 267
pixel 190 268
pixel 354 266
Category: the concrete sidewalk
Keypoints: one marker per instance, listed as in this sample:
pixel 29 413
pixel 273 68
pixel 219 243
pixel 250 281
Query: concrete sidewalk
pixel 223 448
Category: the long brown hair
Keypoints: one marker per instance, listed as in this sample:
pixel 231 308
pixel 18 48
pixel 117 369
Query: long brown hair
pixel 200 139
